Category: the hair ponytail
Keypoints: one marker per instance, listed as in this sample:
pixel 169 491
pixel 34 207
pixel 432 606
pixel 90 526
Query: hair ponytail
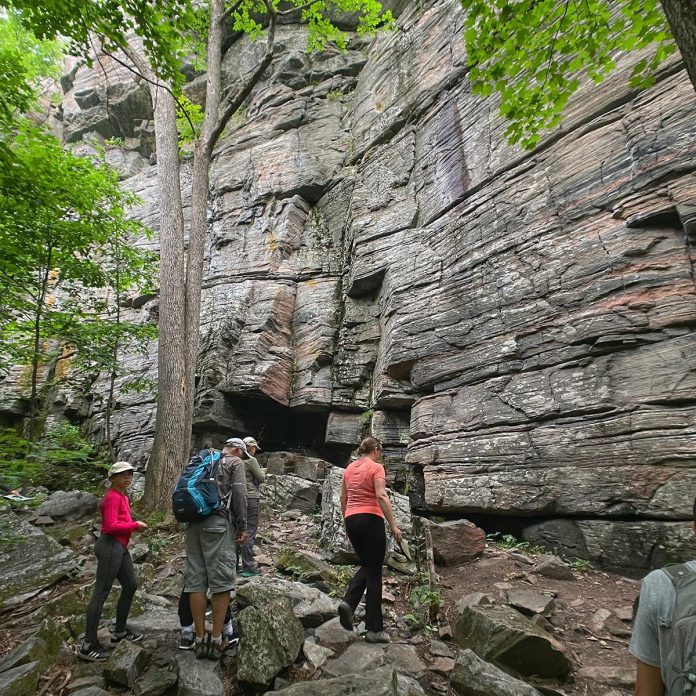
pixel 369 444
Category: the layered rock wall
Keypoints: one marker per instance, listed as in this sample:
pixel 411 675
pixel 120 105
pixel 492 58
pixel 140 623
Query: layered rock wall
pixel 518 327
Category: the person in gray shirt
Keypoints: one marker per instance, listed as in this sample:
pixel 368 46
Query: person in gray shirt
pixel 648 641
pixel 254 478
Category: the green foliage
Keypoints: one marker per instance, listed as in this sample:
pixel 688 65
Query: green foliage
pixel 161 26
pixel 425 603
pixel 24 63
pixel 534 52
pixel 189 119
pixel 581 565
pixel 62 458
pixel 511 542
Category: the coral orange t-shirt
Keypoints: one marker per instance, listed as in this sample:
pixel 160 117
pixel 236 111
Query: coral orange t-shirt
pixel 359 479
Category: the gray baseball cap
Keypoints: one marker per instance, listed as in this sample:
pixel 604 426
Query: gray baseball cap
pixel 237 442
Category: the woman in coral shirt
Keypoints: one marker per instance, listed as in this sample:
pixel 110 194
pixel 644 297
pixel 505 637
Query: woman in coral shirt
pixel 113 561
pixel 365 505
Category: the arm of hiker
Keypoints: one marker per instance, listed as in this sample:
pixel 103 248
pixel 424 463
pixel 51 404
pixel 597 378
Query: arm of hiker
pixel 110 523
pixel 256 471
pixel 648 680
pixel 383 500
pixel 645 637
pixel 238 502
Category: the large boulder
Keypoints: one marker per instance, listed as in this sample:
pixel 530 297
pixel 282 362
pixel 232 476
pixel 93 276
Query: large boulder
pixel 307 567
pixel 456 542
pixel 311 606
pixel 21 680
pixel 280 463
pixel 198 677
pixel 30 561
pixel 333 535
pixel 69 505
pixel 473 676
pixel 270 640
pixel 289 492
pixel 501 635
pixel 126 664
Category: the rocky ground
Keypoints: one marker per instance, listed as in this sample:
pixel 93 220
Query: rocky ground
pixel 558 625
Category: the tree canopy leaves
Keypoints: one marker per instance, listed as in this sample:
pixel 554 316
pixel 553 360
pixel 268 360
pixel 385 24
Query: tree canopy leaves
pixel 534 52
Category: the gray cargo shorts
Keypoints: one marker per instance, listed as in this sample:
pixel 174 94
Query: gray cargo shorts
pixel 210 556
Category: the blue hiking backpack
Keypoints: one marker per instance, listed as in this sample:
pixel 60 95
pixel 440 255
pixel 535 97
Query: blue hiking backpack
pixel 196 495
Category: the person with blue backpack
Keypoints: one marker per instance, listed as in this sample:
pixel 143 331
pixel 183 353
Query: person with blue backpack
pixel 211 497
pixel 664 631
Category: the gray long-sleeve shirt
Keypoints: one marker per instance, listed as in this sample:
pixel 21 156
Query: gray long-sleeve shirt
pixel 232 483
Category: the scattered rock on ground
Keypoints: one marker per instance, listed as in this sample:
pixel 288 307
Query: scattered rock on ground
pixel 316 654
pixel 528 602
pixel 553 567
pixel 359 658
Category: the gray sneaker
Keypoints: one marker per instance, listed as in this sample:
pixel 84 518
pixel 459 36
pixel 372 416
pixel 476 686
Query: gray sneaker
pixel 377 637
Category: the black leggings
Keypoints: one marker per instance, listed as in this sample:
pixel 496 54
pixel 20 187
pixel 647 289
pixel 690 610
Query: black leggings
pixel 113 563
pixel 366 534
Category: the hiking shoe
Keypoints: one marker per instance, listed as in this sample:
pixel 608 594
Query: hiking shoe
pixel 200 647
pixel 345 615
pixel 187 641
pixel 377 637
pixel 129 635
pixel 215 650
pixel 232 640
pixel 250 573
pixel 93 653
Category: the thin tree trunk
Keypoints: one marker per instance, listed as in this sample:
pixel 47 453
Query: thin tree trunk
pixel 45 274
pixel 170 446
pixel 112 376
pixel 681 15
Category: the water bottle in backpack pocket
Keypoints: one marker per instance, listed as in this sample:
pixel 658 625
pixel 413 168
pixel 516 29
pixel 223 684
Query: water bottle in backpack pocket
pixel 196 495
pixel 680 668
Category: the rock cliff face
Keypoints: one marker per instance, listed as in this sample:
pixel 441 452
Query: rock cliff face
pixel 517 327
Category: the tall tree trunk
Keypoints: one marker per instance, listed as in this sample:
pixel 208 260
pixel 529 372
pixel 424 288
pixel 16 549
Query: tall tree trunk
pixel 199 201
pixel 44 277
pixel 681 15
pixel 170 447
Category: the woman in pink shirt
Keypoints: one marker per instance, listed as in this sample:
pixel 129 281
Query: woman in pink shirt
pixel 113 562
pixel 365 505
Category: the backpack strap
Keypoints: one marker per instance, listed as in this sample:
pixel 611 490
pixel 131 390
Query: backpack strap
pixel 677 571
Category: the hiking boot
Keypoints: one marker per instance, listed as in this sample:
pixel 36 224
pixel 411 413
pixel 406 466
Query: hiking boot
pixel 187 641
pixel 377 637
pixel 345 615
pixel 93 653
pixel 248 573
pixel 200 647
pixel 128 635
pixel 216 650
pixel 232 640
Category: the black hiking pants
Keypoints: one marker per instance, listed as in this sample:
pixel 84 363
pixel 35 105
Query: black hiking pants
pixel 366 534
pixel 113 563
